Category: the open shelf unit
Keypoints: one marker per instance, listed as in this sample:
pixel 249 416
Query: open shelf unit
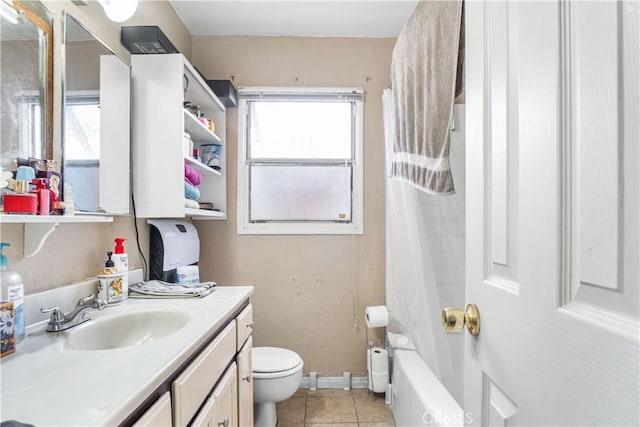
pixel 162 83
pixel 200 134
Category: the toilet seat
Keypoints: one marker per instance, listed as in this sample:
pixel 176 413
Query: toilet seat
pixel 274 360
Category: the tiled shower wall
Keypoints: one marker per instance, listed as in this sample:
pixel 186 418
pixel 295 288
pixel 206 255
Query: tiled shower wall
pixel 444 218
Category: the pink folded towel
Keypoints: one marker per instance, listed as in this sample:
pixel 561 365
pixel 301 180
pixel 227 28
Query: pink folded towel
pixel 191 175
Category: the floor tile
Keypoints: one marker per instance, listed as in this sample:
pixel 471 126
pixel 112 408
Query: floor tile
pixel 389 424
pixel 331 410
pixel 329 392
pixel 364 392
pixel 372 409
pixel 291 411
pixel 301 392
pixel 332 425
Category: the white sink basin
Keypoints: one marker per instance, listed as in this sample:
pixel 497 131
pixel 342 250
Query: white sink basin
pixel 126 329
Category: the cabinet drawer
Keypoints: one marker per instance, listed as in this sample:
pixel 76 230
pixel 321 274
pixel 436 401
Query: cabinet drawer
pixel 195 383
pixel 158 415
pixel 245 325
pixel 220 409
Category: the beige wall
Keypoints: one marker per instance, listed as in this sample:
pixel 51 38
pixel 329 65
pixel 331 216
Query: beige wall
pixel 76 251
pixel 157 12
pixel 311 291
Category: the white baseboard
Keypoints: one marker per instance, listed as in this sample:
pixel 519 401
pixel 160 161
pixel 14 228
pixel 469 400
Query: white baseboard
pixel 335 382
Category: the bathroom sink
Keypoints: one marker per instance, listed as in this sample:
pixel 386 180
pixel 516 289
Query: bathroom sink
pixel 127 329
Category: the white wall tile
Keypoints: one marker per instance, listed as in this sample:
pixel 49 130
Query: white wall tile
pixel 444 221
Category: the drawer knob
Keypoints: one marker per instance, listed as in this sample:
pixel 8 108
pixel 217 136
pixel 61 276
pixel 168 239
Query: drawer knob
pixel 250 325
pixel 224 423
pixel 247 378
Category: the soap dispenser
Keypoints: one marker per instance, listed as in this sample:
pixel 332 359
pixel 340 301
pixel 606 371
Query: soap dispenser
pixel 12 290
pixel 110 283
pixel 121 262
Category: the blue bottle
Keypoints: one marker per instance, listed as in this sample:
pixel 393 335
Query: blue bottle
pixel 12 288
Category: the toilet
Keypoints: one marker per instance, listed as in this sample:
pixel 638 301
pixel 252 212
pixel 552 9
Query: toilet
pixel 277 373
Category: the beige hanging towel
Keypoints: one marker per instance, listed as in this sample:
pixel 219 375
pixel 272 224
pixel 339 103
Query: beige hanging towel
pixel 424 67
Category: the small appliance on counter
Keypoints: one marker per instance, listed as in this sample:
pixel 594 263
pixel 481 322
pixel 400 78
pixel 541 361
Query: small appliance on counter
pixel 173 246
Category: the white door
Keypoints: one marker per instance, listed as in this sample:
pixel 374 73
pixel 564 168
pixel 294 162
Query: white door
pixel 552 202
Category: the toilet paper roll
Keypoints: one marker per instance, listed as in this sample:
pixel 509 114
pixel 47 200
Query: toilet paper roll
pixel 376 316
pixel 378 369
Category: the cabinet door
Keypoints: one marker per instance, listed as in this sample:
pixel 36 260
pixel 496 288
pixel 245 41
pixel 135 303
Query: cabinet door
pixel 245 385
pixel 220 410
pixel 244 323
pixel 158 415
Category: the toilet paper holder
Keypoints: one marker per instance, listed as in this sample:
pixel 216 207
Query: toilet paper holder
pixel 376 317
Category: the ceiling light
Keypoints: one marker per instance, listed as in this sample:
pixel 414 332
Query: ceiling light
pixel 119 10
pixel 8 12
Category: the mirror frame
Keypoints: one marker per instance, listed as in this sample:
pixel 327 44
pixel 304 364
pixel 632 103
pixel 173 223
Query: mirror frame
pixel 63 79
pixel 46 79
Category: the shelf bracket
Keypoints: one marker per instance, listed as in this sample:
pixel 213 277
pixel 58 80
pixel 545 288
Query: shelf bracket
pixel 35 235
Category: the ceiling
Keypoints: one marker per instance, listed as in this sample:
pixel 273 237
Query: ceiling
pixel 308 18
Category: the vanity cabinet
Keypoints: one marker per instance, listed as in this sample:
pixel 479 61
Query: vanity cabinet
pixel 213 389
pixel 179 370
pixel 161 85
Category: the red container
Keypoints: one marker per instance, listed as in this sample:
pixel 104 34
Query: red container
pixel 21 203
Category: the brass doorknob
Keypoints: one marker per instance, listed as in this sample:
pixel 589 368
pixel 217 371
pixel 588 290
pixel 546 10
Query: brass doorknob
pixel 454 319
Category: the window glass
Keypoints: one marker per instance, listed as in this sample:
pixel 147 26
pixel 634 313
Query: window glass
pixel 82 132
pixel 303 130
pixel 300 193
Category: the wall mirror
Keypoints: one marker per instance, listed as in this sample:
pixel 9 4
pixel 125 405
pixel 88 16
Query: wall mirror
pixel 96 118
pixel 26 87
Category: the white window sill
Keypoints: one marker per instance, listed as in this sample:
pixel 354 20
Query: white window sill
pixel 305 228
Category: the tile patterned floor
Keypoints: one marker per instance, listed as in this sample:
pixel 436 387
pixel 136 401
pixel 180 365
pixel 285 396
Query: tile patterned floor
pixel 334 408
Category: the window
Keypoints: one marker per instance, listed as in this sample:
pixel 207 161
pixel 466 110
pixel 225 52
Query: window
pixel 82 149
pixel 30 131
pixel 300 161
pixel 82 127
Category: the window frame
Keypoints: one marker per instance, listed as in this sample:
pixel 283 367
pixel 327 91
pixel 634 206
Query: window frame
pixel 30 136
pixel 244 226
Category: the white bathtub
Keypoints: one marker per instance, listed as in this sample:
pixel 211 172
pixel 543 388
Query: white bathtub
pixel 419 398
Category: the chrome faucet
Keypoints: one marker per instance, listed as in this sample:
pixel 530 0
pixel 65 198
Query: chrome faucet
pixel 60 321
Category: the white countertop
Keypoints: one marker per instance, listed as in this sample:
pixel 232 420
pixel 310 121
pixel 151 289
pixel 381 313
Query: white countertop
pixel 46 384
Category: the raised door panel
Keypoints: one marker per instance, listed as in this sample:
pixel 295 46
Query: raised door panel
pixel 220 409
pixel 245 385
pixel 502 148
pixel 158 415
pixel 601 186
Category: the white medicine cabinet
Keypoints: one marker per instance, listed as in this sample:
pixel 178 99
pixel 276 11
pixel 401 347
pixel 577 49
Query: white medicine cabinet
pixel 162 84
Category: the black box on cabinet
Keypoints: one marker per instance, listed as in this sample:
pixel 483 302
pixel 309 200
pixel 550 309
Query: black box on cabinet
pixel 146 39
pixel 225 90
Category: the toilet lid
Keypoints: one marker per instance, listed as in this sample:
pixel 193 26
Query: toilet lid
pixel 273 359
